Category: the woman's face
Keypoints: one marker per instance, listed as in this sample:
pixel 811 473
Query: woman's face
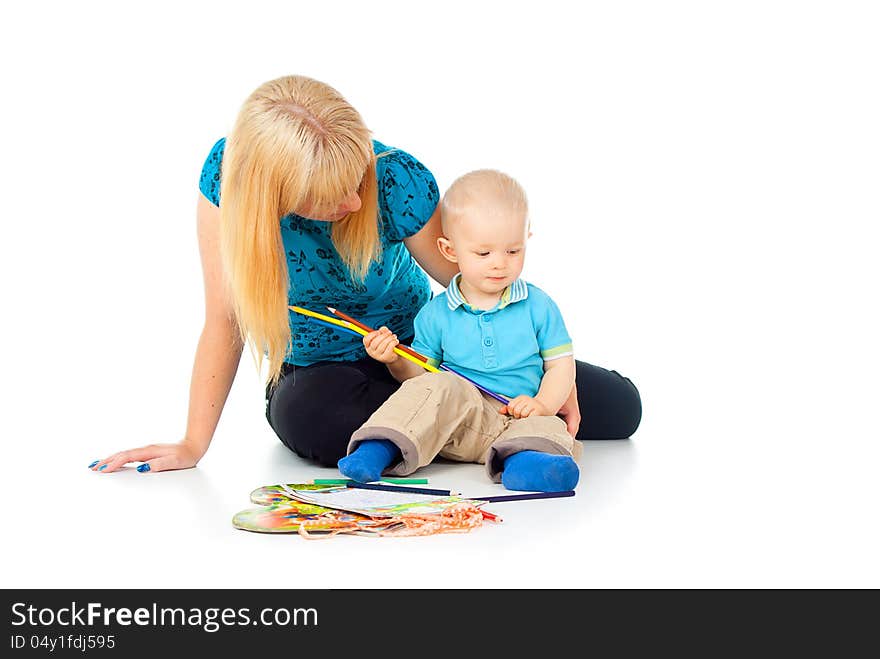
pixel 351 204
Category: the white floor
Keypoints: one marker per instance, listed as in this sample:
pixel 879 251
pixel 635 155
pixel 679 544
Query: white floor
pixel 665 509
pixel 703 191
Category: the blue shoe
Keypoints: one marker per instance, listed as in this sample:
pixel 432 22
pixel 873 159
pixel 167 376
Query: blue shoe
pixel 534 471
pixel 369 460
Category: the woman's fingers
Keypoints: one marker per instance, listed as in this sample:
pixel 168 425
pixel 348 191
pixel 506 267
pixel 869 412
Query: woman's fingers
pixel 112 463
pixel 119 460
pixel 155 457
pixel 166 463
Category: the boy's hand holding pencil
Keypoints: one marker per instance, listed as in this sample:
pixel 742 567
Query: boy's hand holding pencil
pixel 525 406
pixel 380 345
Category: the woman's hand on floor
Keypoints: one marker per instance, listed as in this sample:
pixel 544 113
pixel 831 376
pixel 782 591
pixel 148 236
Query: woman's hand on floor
pixel 155 457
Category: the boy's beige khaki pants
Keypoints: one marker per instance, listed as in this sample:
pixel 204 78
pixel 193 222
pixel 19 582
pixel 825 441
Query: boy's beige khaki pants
pixel 443 414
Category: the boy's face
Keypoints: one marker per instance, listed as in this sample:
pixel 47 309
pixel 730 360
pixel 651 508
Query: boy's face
pixel 490 248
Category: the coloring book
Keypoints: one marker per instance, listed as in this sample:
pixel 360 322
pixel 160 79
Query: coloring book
pixel 329 509
pixel 371 503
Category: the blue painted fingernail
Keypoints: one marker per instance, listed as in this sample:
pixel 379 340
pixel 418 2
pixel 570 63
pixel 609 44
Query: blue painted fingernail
pixel 144 467
pixel 102 467
pixel 94 463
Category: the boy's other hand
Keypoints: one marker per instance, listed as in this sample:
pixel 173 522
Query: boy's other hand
pixel 380 345
pixel 524 406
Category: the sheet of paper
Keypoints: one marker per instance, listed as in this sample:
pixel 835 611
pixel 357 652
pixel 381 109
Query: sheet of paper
pixel 377 502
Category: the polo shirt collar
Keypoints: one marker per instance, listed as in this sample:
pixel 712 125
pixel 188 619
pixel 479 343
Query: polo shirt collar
pixel 514 293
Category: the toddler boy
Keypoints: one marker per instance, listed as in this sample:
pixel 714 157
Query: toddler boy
pixel 497 330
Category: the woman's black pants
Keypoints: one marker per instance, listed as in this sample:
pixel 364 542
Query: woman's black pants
pixel 315 409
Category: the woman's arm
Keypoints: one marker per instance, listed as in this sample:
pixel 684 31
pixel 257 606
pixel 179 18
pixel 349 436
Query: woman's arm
pixel 214 368
pixel 220 346
pixel 423 247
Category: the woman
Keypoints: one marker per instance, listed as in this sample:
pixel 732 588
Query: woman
pixel 357 219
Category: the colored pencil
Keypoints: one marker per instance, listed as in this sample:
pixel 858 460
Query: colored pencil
pixel 419 356
pixel 424 365
pixel 490 516
pixel 523 497
pixel 368 329
pixel 347 330
pixel 345 481
pixel 351 320
pixel 395 488
pixel 348 326
pixel 498 397
pixel 320 316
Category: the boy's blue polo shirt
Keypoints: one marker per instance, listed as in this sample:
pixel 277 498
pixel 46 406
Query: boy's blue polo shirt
pixel 395 287
pixel 503 348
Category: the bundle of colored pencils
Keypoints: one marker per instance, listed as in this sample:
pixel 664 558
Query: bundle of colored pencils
pixel 349 324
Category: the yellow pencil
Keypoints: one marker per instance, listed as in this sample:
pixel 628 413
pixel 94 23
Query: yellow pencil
pixel 424 365
pixel 328 319
pixel 355 328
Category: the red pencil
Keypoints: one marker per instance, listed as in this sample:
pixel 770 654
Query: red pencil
pixel 406 349
pixel 491 517
pixel 413 353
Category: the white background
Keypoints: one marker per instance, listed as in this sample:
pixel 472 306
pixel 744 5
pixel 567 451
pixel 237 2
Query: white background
pixel 703 187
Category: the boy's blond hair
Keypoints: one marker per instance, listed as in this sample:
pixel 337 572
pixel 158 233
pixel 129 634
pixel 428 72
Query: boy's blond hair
pixel 296 142
pixel 488 189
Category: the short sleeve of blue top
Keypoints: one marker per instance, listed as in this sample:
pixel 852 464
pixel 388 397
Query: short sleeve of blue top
pixel 395 287
pixel 503 348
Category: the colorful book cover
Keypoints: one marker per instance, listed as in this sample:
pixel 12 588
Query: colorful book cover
pixel 375 503
pixel 286 517
pixel 269 494
pixel 283 508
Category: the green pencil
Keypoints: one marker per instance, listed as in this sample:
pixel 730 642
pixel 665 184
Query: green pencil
pixel 345 481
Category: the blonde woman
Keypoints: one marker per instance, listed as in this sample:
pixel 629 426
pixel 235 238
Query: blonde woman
pixel 300 206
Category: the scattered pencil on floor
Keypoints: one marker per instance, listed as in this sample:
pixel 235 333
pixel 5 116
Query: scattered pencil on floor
pixel 396 488
pixel 490 516
pixel 525 496
pixel 394 481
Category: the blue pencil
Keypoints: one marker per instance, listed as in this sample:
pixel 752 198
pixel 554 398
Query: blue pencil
pixel 499 398
pixel 334 327
pixel 525 496
pixel 398 488
pixel 444 367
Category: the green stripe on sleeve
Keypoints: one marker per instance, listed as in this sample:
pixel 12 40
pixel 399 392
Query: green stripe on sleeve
pixel 558 351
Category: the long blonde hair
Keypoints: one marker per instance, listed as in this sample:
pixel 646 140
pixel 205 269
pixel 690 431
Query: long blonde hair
pixel 296 141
